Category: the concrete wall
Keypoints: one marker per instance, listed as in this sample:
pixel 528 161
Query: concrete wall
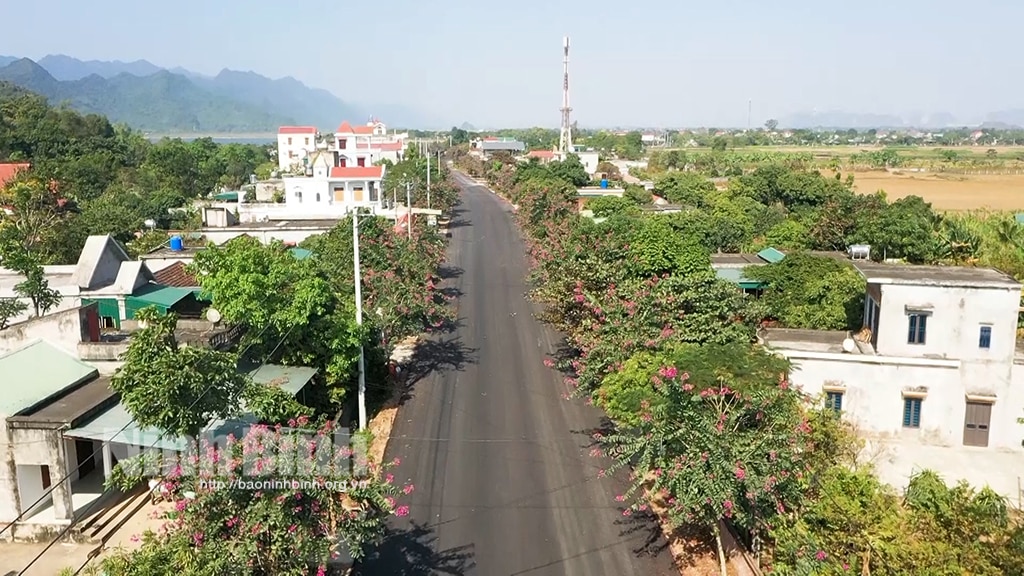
pixel 24 451
pixel 64 329
pixel 873 389
pixel 956 316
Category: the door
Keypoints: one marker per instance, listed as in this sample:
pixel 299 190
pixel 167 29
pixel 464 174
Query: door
pixel 357 194
pixel 46 476
pixel 976 423
pixel 86 458
pixel 343 162
pixel 361 162
pixel 339 195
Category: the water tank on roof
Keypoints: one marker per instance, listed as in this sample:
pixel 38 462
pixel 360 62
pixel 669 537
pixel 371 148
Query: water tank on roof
pixel 604 183
pixel 177 244
pixel 860 252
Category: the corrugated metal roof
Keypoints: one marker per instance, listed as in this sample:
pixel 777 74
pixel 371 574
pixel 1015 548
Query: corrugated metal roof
pixel 771 255
pixel 300 253
pixel 163 296
pixel 289 378
pixel 735 275
pixel 36 373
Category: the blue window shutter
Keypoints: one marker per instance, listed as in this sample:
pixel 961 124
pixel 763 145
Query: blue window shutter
pixel 906 412
pixel 912 329
pixel 985 337
pixel 922 327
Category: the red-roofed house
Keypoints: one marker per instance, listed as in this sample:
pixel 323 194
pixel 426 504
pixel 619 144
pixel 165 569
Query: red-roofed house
pixel 294 143
pixel 366 145
pixel 9 170
pixel 544 156
pixel 333 190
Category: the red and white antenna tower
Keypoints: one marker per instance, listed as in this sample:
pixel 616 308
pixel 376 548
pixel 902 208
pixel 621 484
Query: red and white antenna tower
pixel 565 138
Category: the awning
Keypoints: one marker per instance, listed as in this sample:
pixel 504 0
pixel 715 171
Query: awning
pixel 735 275
pixel 161 296
pixel 226 196
pixel 108 428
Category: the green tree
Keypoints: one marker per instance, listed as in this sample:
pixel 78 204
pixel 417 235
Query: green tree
pixel 176 389
pixel 807 291
pixel 724 439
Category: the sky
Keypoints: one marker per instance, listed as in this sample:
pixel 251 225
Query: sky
pixel 636 63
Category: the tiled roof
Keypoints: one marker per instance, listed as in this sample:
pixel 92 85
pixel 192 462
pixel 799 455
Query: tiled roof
pixel 297 130
pixel 541 154
pixel 9 170
pixel 175 275
pixel 347 128
pixel 370 172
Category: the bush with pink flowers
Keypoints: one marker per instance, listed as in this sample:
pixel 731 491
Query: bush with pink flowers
pixel 276 501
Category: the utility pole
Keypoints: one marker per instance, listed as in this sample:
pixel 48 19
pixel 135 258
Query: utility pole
pixel 359 318
pixel 428 179
pixel 408 206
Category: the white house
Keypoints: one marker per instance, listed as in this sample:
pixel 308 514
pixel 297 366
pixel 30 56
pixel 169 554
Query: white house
pixel 935 380
pixel 361 146
pixel 333 190
pixel 294 143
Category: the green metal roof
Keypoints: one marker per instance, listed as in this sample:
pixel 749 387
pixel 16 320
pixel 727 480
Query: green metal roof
pixel 771 255
pixel 735 275
pixel 107 427
pixel 289 378
pixel 300 253
pixel 162 296
pixel 226 196
pixel 35 374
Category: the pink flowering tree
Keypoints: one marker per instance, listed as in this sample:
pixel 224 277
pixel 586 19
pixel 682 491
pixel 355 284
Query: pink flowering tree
pixel 277 501
pixel 722 437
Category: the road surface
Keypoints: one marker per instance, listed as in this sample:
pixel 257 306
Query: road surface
pixel 504 481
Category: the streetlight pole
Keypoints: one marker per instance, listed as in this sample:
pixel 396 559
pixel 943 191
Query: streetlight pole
pixel 428 180
pixel 408 206
pixel 359 318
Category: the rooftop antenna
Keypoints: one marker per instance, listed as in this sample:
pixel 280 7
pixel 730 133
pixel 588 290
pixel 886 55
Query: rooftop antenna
pixel 565 138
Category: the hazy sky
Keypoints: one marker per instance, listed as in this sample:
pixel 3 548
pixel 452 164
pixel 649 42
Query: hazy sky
pixel 639 62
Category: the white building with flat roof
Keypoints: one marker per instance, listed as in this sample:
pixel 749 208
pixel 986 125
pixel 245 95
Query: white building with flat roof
pixel 294 144
pixel 934 380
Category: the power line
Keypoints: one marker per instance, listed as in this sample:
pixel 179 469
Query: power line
pixel 54 485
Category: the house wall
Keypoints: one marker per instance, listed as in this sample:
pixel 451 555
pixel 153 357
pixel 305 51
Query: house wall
pixel 24 451
pixel 952 329
pixel 590 161
pixel 264 235
pixel 291 154
pixel 873 389
pixel 64 329
pixel 318 196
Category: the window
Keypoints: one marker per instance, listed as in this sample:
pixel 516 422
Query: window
pixel 912 412
pixel 918 327
pixel 343 162
pixel 834 401
pixel 307 141
pixel 289 141
pixel 318 197
pixel 977 419
pixel 361 161
pixel 985 337
pixel 342 144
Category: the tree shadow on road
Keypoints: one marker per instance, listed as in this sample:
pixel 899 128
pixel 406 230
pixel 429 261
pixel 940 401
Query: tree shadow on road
pixel 411 552
pixel 435 356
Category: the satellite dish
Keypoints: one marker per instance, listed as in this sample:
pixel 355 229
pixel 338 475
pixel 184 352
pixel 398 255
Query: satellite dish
pixel 213 315
pixel 849 345
pixel 150 223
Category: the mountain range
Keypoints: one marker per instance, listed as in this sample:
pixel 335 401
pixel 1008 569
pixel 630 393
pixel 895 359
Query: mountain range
pixel 939 120
pixel 178 101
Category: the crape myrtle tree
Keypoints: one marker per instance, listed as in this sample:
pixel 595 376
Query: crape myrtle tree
pixel 217 526
pixel 725 441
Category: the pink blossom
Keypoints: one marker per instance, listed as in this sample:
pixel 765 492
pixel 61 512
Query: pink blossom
pixel 627 512
pixel 549 362
pixel 740 473
pixel 389 478
pixel 668 372
pixel 408 489
pixel 821 555
pixel 402 511
pixel 396 462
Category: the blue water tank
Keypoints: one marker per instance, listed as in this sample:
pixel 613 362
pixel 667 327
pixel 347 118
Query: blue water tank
pixel 604 183
pixel 177 244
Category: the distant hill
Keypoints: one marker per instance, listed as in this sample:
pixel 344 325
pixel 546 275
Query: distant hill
pixel 148 97
pixel 66 68
pixel 161 102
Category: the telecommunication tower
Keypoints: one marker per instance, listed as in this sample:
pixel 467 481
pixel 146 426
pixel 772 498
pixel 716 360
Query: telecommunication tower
pixel 565 138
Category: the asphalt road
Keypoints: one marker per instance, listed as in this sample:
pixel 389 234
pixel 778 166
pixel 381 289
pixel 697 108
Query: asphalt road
pixel 504 481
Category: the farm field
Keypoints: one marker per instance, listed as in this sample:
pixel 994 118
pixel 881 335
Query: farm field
pixel 950 192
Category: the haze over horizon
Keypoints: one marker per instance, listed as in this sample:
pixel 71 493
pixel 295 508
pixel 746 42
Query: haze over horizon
pixel 658 64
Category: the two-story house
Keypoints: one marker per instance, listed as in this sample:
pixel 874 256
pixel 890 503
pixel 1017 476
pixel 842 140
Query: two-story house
pixel 294 144
pixel 934 380
pixel 363 146
pixel 329 190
